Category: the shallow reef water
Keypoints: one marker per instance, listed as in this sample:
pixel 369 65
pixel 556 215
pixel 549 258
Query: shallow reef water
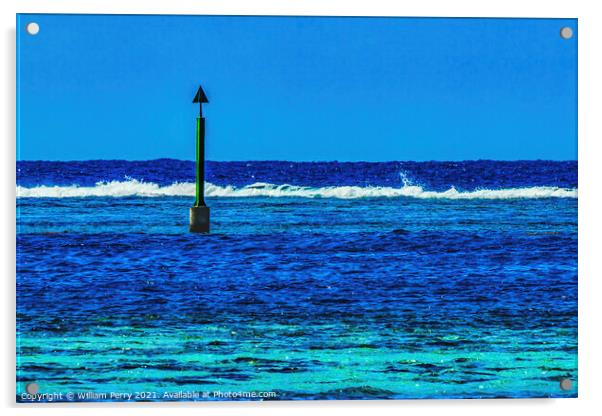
pixel 318 280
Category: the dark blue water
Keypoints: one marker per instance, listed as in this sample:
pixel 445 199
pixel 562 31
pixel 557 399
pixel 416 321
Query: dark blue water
pixel 436 176
pixel 354 281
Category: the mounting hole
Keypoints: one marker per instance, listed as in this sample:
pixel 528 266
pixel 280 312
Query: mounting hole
pixel 32 388
pixel 32 28
pixel 566 384
pixel 566 32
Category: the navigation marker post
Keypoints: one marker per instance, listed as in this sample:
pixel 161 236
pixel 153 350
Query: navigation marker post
pixel 199 213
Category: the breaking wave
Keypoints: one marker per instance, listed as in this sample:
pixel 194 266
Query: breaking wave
pixel 133 187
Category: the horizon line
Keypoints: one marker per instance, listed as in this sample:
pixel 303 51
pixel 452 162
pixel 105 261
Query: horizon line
pixel 300 161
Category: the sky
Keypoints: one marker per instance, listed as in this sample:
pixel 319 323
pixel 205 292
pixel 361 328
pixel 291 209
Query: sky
pixel 296 88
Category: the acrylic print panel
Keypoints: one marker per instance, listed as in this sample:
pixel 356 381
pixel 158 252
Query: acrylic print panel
pixel 292 208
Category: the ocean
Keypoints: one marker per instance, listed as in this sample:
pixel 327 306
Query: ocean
pixel 319 280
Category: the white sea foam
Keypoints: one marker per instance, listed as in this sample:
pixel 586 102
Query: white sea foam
pixel 133 187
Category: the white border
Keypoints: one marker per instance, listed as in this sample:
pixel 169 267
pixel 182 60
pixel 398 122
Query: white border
pixel 590 176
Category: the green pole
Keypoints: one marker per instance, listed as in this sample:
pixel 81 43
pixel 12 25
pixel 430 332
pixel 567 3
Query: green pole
pixel 199 213
pixel 200 162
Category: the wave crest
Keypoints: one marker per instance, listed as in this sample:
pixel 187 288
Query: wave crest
pixel 134 187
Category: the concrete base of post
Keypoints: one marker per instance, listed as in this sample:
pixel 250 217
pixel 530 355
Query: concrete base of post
pixel 199 220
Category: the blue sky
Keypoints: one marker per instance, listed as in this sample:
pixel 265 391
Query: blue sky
pixel 295 88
